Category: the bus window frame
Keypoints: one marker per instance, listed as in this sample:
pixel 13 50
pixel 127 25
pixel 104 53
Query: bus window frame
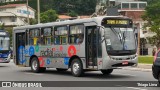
pixel 33 29
pixel 60 36
pixel 69 34
pixel 45 37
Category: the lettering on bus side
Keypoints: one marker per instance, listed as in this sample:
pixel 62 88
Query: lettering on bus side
pixel 52 53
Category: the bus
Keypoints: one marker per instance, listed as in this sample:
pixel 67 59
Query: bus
pixel 99 43
pixel 5 52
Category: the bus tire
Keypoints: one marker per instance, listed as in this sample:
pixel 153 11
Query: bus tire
pixel 159 78
pixel 35 67
pixel 61 69
pixel 77 68
pixel 107 72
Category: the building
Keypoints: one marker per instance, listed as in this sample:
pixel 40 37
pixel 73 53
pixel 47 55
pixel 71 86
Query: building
pixel 4 1
pixel 66 17
pixel 135 10
pixel 15 14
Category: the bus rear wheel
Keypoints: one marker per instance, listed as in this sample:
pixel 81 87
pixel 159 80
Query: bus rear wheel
pixel 35 66
pixel 77 68
pixel 107 72
pixel 61 69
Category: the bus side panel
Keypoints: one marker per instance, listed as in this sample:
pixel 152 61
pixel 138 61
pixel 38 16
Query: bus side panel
pixel 55 56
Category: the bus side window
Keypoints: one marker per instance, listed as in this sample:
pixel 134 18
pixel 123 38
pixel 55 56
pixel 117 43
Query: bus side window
pixel 31 37
pixel 61 35
pixel 34 38
pixel 26 33
pixel 76 34
pixel 46 36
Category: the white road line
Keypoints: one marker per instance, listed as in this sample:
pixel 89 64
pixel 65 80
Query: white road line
pixel 136 88
pixel 125 74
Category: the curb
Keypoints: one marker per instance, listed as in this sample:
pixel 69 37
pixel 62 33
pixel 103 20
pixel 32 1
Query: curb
pixel 140 67
pixel 137 69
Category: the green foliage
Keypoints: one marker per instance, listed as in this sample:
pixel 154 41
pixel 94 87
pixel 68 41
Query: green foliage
pixel 2 26
pixel 151 15
pixel 49 16
pixel 33 21
pixel 81 7
pixel 73 14
pixel 145 59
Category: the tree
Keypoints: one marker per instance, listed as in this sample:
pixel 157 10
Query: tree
pixel 49 16
pixel 1 25
pixel 73 14
pixel 151 15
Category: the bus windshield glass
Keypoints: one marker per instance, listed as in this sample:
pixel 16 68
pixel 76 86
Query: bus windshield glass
pixel 120 41
pixel 119 36
pixel 4 43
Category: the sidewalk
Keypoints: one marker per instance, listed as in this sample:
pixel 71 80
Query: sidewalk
pixel 140 67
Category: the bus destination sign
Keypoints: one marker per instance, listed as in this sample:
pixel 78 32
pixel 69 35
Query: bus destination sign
pixel 116 22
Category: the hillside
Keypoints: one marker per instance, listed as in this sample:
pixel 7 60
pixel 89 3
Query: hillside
pixel 81 7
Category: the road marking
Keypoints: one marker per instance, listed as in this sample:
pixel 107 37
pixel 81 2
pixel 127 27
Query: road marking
pixel 125 74
pixel 131 87
pixel 136 88
pixel 34 74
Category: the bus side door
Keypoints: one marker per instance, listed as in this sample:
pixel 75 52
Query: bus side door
pixel 91 46
pixel 20 48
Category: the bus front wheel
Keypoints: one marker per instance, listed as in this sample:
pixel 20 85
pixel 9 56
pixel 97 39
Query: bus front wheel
pixel 77 68
pixel 107 72
pixel 35 66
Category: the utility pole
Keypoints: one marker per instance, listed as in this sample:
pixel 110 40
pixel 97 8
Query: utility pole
pixel 38 11
pixel 27 13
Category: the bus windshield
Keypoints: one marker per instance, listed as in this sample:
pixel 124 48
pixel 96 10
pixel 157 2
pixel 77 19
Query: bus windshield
pixel 4 43
pixel 120 41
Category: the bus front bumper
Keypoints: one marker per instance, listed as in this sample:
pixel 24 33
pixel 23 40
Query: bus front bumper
pixel 4 60
pixel 116 62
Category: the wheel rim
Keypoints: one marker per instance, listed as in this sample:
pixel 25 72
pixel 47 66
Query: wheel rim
pixel 76 68
pixel 34 65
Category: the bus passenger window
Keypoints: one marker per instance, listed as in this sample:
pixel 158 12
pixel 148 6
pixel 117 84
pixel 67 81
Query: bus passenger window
pixel 76 34
pixel 61 35
pixel 46 36
pixel 34 37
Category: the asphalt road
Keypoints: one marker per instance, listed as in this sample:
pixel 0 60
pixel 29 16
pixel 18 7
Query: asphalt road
pixel 11 72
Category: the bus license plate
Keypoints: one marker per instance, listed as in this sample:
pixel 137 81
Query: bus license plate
pixel 125 63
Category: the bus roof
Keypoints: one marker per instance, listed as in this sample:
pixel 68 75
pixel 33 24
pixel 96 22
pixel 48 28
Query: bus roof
pixel 94 19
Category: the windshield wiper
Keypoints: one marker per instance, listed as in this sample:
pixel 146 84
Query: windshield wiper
pixel 124 38
pixel 117 34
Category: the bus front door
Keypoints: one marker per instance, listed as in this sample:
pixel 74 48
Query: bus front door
pixel 91 46
pixel 20 48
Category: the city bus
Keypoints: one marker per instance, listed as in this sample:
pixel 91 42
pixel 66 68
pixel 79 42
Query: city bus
pixel 99 43
pixel 5 52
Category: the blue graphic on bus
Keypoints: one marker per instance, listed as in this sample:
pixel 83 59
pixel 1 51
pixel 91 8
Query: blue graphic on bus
pixel 66 61
pixel 125 47
pixel 48 61
pixel 26 51
pixel 31 51
pixel 1 48
pixel 21 53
